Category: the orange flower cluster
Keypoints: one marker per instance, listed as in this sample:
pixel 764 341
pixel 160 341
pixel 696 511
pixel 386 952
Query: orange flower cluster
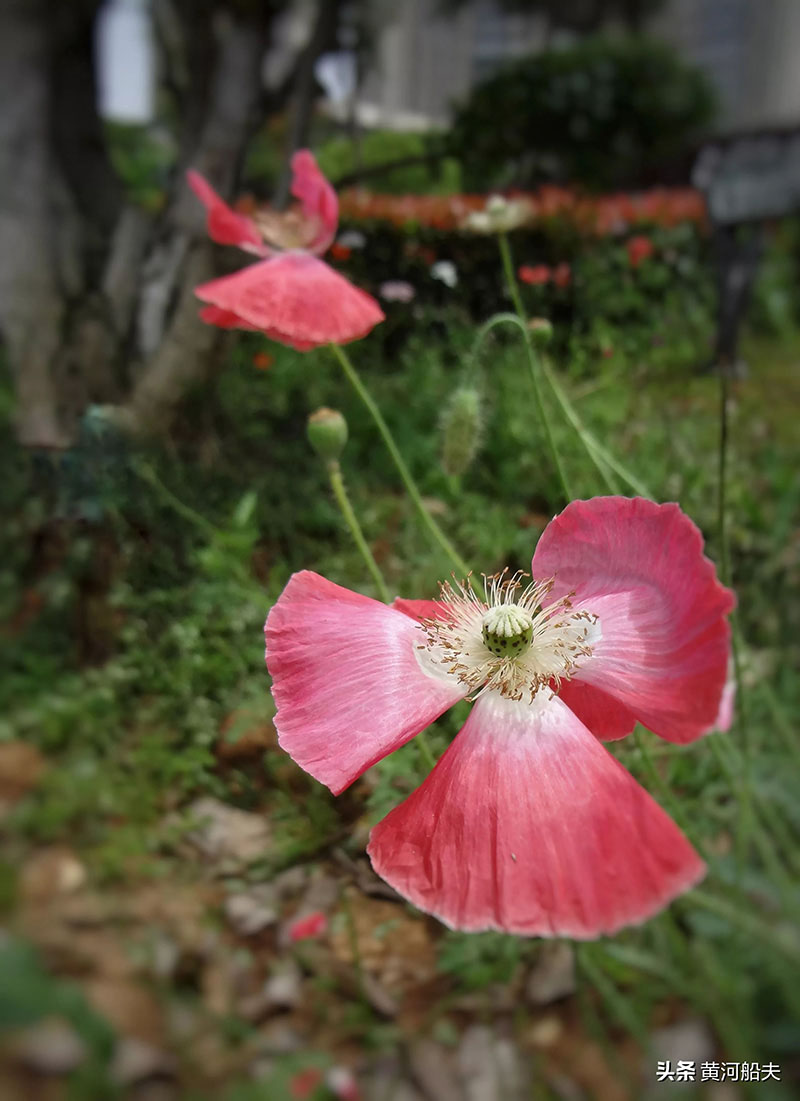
pixel 601 215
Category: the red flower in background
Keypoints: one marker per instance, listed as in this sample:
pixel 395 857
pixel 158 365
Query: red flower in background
pixel 639 248
pixel 305 1082
pixel 562 276
pixel 291 295
pixel 534 275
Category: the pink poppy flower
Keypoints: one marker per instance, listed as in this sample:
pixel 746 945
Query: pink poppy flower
pixel 291 295
pixel 526 824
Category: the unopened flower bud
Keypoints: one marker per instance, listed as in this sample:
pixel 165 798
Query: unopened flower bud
pixel 327 433
pixel 461 430
pixel 541 330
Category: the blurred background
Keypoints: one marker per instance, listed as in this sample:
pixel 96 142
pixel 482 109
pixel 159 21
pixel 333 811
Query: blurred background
pixel 185 913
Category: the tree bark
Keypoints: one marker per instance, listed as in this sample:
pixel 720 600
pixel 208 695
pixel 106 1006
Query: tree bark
pixel 96 302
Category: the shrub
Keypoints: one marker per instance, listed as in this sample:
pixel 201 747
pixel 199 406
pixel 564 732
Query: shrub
pixel 607 112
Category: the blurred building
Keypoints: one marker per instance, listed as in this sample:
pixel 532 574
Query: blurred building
pixel 425 60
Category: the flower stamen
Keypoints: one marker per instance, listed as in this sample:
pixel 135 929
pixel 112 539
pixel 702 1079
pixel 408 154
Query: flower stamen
pixel 511 641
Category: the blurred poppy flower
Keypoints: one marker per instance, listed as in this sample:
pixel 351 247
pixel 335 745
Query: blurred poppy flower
pixel 527 824
pixel 340 252
pixel 291 295
pixel 263 360
pixel 534 275
pixel 562 275
pixel 639 248
pixel 305 1082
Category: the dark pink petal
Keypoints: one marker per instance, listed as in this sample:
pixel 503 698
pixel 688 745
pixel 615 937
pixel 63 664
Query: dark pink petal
pixel 224 319
pixel 225 226
pixel 665 640
pixel 347 679
pixel 227 319
pixel 296 299
pixel 318 198
pixel 421 609
pixel 606 717
pixel 528 825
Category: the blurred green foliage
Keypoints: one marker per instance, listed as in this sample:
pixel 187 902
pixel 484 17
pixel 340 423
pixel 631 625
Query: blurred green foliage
pixel 341 156
pixel 604 113
pixel 135 580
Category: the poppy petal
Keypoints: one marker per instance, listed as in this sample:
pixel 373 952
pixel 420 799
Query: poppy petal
pixel 421 609
pixel 528 825
pixel 606 717
pixel 224 319
pixel 225 226
pixel 665 643
pixel 317 197
pixel 296 299
pixel 347 679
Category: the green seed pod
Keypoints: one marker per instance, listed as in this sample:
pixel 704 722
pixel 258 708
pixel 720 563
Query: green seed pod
pixel 327 433
pixel 462 428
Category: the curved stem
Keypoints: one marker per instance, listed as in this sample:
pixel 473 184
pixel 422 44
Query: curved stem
pixel 350 518
pixel 594 449
pixel 513 287
pixel 598 455
pixel 408 481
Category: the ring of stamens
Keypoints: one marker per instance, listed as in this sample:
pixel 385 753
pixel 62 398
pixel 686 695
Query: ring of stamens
pixel 509 641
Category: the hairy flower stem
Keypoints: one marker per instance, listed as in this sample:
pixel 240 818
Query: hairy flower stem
pixel 533 362
pixel 405 474
pixel 350 518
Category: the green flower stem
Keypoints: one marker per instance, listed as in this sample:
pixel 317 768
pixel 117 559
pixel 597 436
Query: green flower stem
pixel 598 454
pixel 511 281
pixel 405 474
pixel 350 518
pixel 346 508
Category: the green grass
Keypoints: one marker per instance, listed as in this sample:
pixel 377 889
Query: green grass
pixel 202 536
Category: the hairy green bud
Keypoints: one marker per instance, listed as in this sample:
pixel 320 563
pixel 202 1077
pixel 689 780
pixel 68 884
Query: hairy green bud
pixel 327 433
pixel 462 428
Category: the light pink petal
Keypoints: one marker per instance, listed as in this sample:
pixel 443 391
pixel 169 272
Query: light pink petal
pixel 318 198
pixel 724 719
pixel 225 226
pixel 639 566
pixel 296 299
pixel 347 679
pixel 528 825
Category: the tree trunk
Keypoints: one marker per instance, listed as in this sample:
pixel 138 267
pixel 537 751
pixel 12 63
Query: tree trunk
pixel 96 302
